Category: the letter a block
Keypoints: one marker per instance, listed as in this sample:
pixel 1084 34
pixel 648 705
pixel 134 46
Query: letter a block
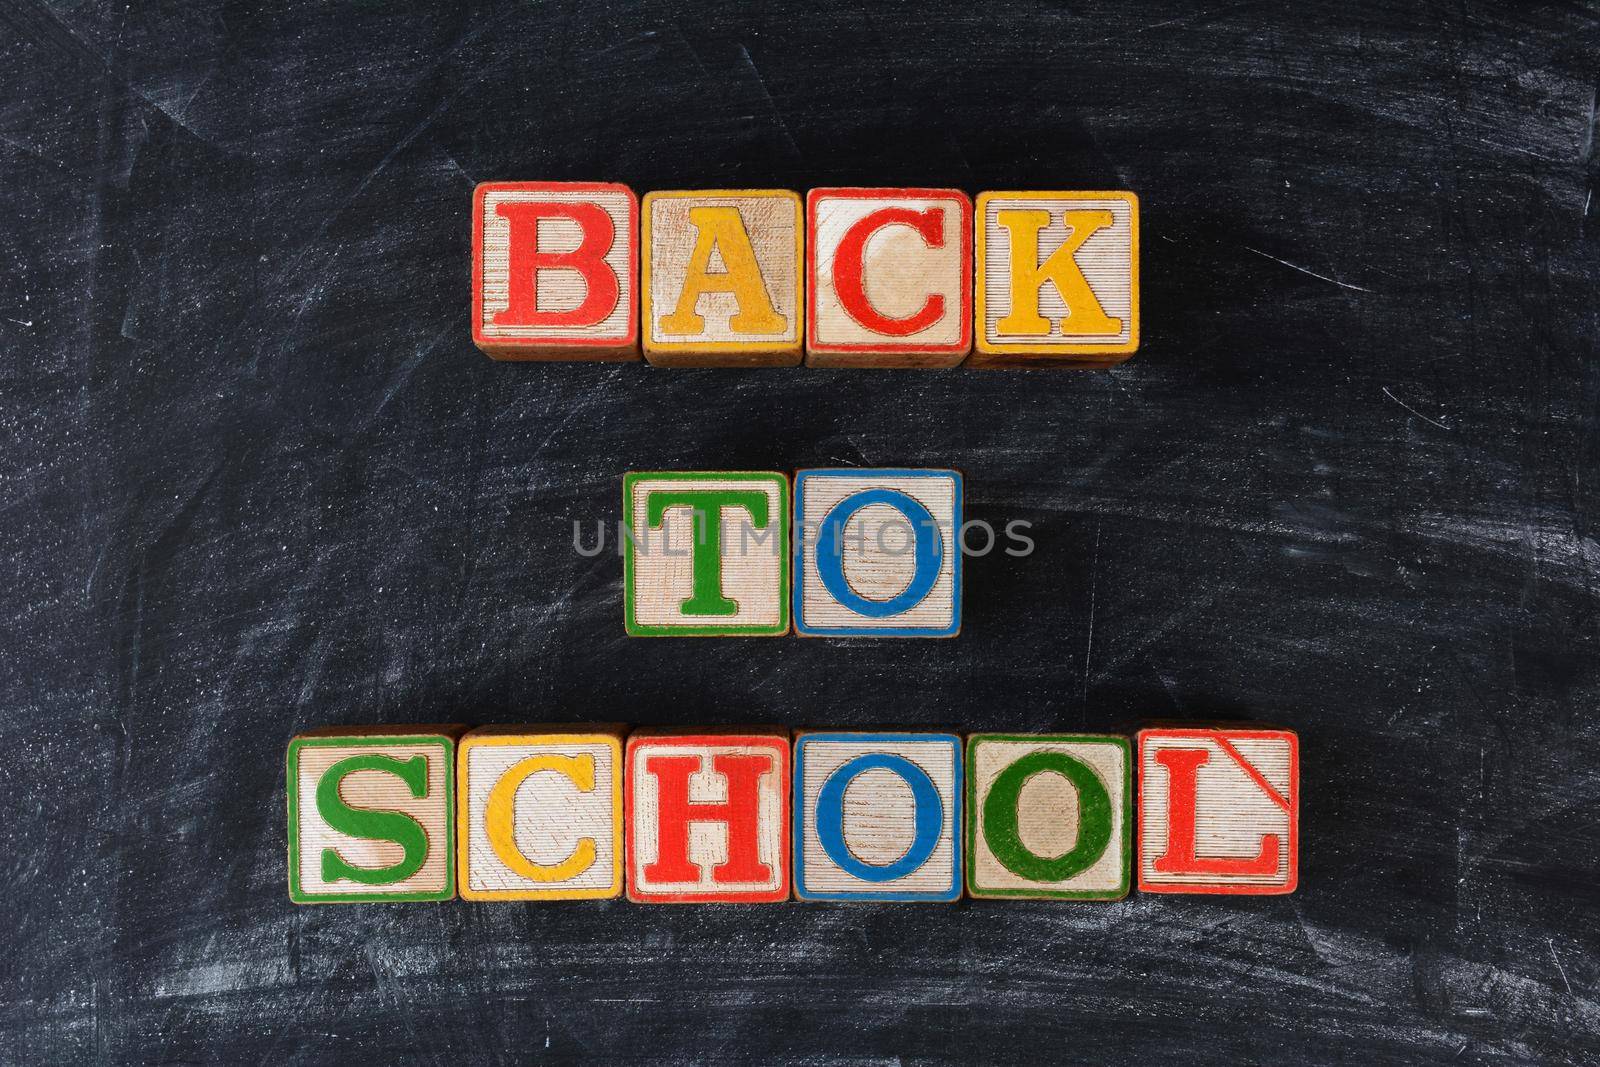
pixel 708 817
pixel 722 278
pixel 877 817
pixel 1057 279
pixel 877 553
pixel 1219 811
pixel 553 270
pixel 705 553
pixel 888 277
pixel 1049 816
pixel 371 811
pixel 540 816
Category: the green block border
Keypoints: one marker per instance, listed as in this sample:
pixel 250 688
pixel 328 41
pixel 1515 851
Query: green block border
pixel 974 818
pixel 637 629
pixel 292 788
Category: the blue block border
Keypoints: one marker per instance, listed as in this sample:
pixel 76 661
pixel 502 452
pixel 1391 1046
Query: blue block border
pixel 957 813
pixel 799 569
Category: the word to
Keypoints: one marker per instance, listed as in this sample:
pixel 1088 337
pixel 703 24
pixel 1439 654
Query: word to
pixel 751 815
pixel 858 278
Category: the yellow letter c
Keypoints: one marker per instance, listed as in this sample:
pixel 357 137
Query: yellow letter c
pixel 499 822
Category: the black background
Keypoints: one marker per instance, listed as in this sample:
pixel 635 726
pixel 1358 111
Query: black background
pixel 255 478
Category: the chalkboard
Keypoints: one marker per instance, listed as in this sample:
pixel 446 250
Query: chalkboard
pixel 257 479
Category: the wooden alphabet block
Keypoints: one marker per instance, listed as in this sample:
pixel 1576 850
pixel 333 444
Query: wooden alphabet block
pixel 877 816
pixel 554 265
pixel 1057 279
pixel 1219 811
pixel 708 816
pixel 371 813
pixel 888 277
pixel 706 553
pixel 1049 816
pixel 722 278
pixel 540 813
pixel 877 553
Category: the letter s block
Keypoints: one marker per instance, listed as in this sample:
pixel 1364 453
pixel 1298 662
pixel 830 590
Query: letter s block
pixel 371 811
pixel 877 816
pixel 888 277
pixel 877 553
pixel 1057 279
pixel 1219 811
pixel 705 553
pixel 1049 816
pixel 708 817
pixel 554 265
pixel 722 278
pixel 540 816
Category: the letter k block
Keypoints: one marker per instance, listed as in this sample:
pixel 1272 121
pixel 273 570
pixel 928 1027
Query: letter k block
pixel 705 554
pixel 708 816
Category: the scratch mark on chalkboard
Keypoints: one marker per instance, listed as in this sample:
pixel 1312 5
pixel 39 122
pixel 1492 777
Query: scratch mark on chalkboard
pixel 1414 411
pixel 1308 270
pixel 772 106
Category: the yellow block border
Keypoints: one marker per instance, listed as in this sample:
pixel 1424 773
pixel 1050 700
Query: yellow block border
pixel 722 346
pixel 464 815
pixel 979 288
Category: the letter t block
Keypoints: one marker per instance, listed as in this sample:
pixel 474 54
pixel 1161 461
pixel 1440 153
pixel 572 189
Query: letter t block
pixel 1219 811
pixel 554 266
pixel 705 553
pixel 708 816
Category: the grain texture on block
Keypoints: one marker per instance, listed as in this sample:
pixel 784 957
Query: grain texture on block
pixel 888 277
pixel 1049 816
pixel 1056 279
pixel 1219 811
pixel 877 816
pixel 539 813
pixel 705 553
pixel 708 816
pixel 371 813
pixel 877 553
pixel 722 278
pixel 554 271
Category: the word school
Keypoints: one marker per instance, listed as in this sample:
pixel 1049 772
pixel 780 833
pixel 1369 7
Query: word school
pixel 857 278
pixel 752 815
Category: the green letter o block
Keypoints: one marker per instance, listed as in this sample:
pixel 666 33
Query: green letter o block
pixel 1000 818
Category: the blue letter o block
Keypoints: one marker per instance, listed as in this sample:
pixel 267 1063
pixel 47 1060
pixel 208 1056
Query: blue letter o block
pixel 929 553
pixel 928 822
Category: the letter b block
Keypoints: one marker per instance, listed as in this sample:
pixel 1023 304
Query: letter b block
pixel 889 277
pixel 877 553
pixel 705 554
pixel 553 270
pixel 1219 811
pixel 722 278
pixel 877 816
pixel 370 814
pixel 1049 816
pixel 708 817
pixel 1057 279
pixel 540 815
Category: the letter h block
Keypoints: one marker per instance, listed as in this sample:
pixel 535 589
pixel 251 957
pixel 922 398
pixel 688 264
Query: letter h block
pixel 1219 811
pixel 888 277
pixel 540 813
pixel 877 816
pixel 877 553
pixel 722 278
pixel 1049 816
pixel 554 265
pixel 708 816
pixel 1057 279
pixel 371 810
pixel 705 553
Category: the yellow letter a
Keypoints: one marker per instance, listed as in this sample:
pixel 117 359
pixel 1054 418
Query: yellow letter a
pixel 1028 275
pixel 722 229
